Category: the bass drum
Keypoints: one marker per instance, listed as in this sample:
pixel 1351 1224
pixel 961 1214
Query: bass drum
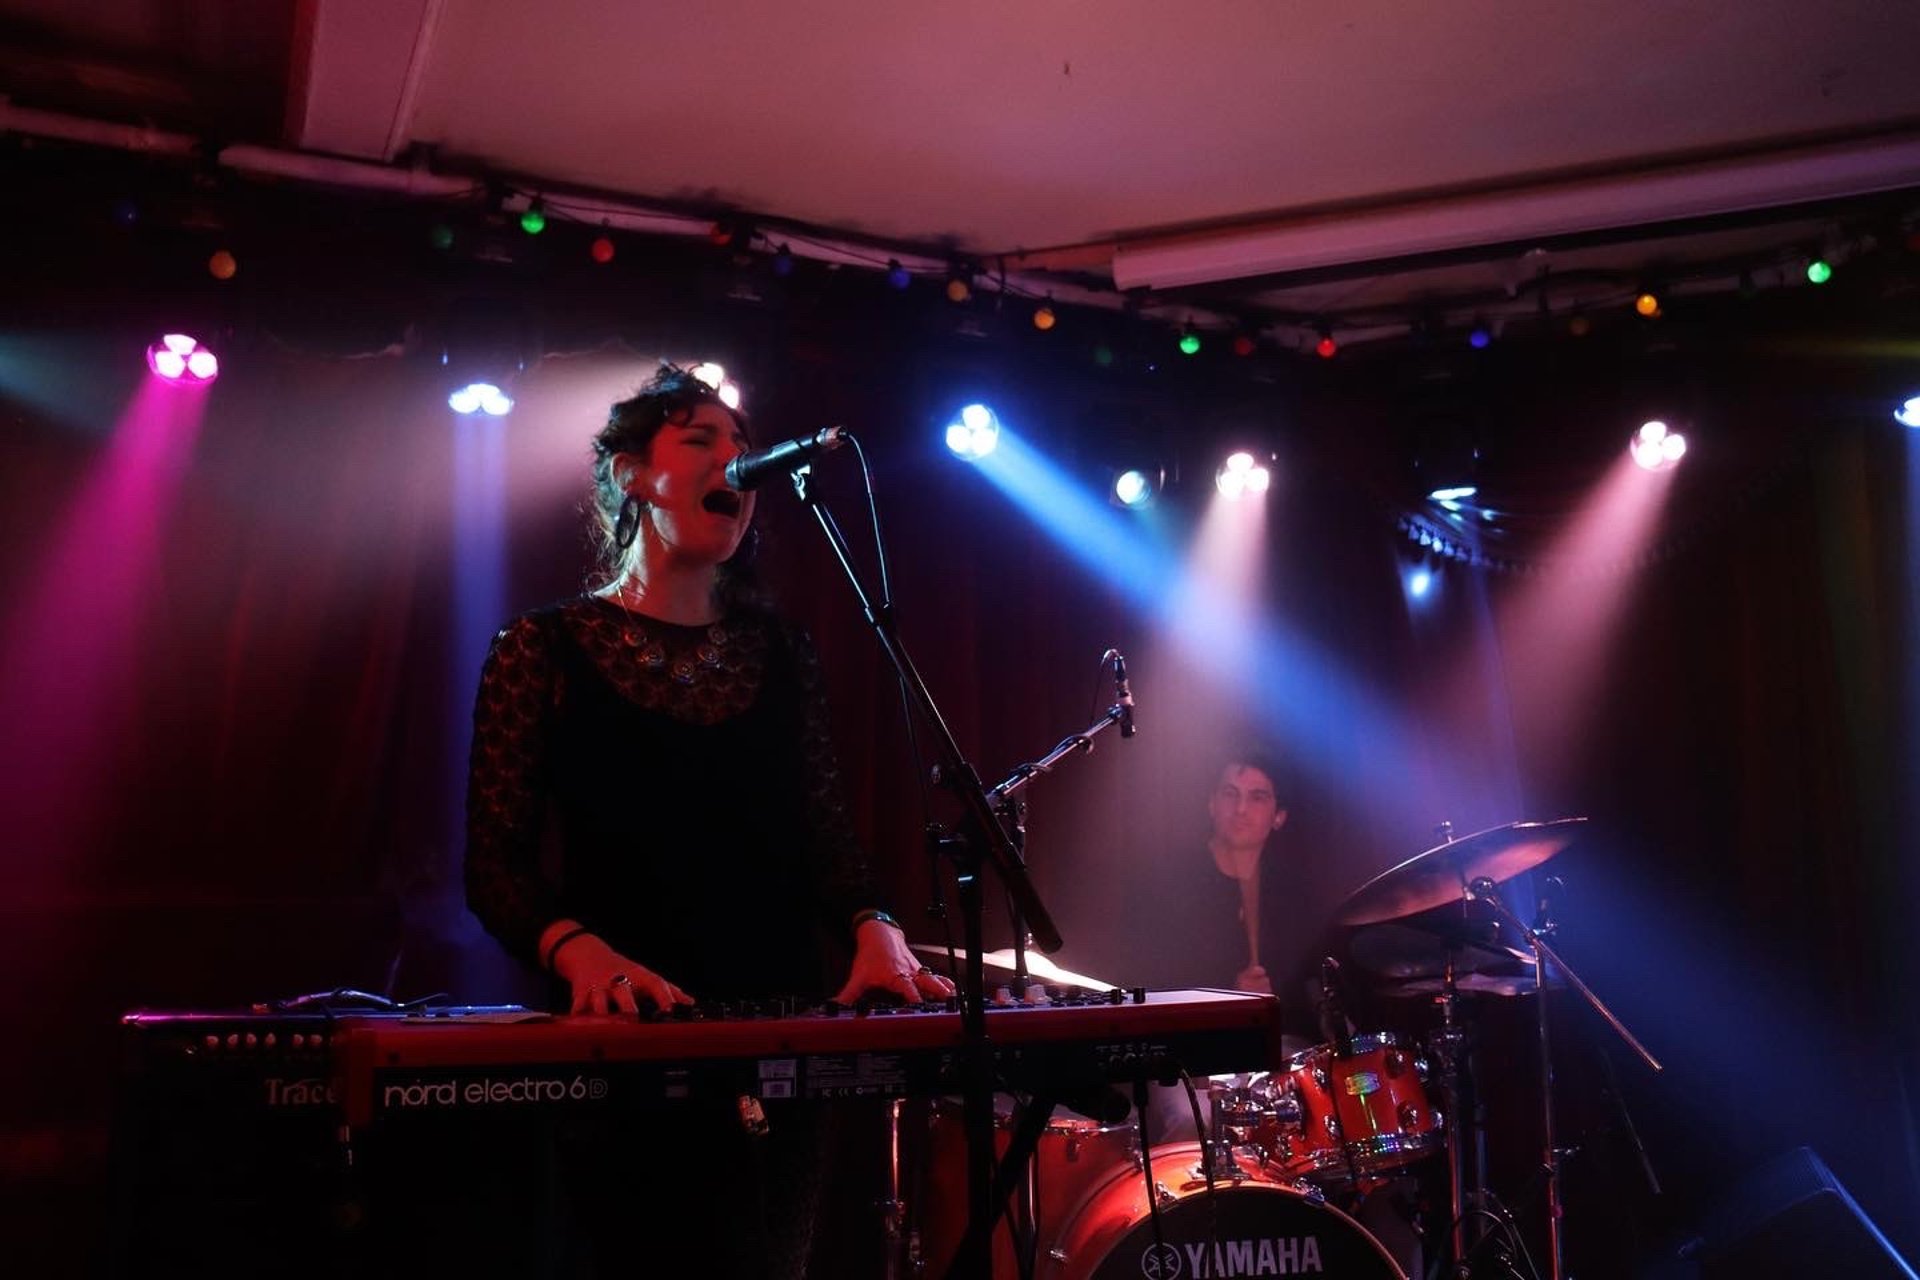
pixel 1245 1228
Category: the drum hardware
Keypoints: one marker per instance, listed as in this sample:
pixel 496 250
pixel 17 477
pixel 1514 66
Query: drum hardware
pixel 1466 873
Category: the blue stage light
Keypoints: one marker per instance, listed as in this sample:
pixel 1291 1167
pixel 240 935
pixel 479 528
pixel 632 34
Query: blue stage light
pixel 973 433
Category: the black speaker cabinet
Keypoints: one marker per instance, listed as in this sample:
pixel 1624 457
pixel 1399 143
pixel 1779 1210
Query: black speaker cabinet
pixel 1792 1218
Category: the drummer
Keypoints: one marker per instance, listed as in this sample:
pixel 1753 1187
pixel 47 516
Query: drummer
pixel 1236 920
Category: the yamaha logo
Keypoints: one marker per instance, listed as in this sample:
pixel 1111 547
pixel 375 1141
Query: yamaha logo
pixel 1215 1260
pixel 1161 1262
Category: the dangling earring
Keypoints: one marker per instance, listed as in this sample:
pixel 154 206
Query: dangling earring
pixel 627 527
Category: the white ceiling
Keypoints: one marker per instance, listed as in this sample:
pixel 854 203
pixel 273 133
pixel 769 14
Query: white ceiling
pixel 1022 124
pixel 996 125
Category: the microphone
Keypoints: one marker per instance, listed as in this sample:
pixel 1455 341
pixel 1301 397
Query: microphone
pixel 751 470
pixel 1123 693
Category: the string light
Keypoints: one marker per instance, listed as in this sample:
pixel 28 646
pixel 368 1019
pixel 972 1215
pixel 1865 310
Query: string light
pixel 1819 271
pixel 601 249
pixel 1189 342
pixel 897 275
pixel 222 265
pixel 534 220
pixel 1326 348
pixel 1043 317
pixel 1647 304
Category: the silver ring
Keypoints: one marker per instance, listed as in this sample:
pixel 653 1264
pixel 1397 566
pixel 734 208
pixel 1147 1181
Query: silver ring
pixel 622 980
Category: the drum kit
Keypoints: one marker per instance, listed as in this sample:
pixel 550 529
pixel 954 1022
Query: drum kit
pixel 1282 1151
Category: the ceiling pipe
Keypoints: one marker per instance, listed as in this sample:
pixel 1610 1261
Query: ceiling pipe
pixel 424 183
pixel 1645 198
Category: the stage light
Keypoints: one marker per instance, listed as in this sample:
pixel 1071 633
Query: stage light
pixel 1908 414
pixel 973 434
pixel 601 249
pixel 534 220
pixel 959 285
pixel 1419 583
pixel 481 397
pixel 1480 337
pixel 179 359
pixel 1241 474
pixel 1043 317
pixel 1189 342
pixel 1135 488
pixel 1326 348
pixel 1656 448
pixel 1455 493
pixel 222 265
pixel 897 275
pixel 716 377
pixel 1819 271
pixel 1647 304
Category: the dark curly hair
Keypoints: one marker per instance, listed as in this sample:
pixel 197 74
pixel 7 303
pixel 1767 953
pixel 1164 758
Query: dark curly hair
pixel 670 395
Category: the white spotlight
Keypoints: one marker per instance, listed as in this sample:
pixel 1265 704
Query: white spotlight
pixel 1656 448
pixel 1134 488
pixel 974 433
pixel 1239 474
pixel 481 397
pixel 1908 414
pixel 716 377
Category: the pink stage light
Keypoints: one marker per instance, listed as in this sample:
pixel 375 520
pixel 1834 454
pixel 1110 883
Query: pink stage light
pixel 178 358
pixel 1656 448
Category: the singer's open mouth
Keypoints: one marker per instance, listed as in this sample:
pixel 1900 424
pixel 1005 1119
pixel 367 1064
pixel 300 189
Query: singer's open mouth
pixel 722 502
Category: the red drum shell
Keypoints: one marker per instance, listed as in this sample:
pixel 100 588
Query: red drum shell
pixel 1246 1228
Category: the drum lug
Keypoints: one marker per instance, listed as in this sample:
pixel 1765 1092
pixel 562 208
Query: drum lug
pixel 1162 1196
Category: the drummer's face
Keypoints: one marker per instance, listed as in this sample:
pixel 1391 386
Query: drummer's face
pixel 1243 806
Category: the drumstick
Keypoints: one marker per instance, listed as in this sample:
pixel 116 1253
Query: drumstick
pixel 1250 911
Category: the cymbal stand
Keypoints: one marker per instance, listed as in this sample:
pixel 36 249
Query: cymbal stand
pixel 1449 1044
pixel 1482 889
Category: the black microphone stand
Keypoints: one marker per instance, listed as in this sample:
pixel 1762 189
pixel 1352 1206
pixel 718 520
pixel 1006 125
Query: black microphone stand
pixel 982 838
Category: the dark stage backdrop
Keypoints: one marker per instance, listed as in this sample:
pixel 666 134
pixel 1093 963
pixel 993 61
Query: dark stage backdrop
pixel 240 648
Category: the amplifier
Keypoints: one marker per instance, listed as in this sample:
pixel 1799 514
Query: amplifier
pixel 225 1154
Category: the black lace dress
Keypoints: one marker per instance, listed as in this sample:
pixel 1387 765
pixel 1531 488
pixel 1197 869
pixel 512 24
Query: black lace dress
pixel 672 788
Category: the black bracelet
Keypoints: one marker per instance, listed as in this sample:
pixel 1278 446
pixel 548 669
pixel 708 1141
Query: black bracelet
pixel 873 913
pixel 560 942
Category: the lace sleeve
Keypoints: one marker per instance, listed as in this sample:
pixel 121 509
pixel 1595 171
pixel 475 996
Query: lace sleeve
pixel 841 872
pixel 506 797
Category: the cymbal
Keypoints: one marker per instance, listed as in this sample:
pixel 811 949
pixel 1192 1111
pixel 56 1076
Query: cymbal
pixel 1482 984
pixel 1441 874
pixel 1397 952
pixel 1038 965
